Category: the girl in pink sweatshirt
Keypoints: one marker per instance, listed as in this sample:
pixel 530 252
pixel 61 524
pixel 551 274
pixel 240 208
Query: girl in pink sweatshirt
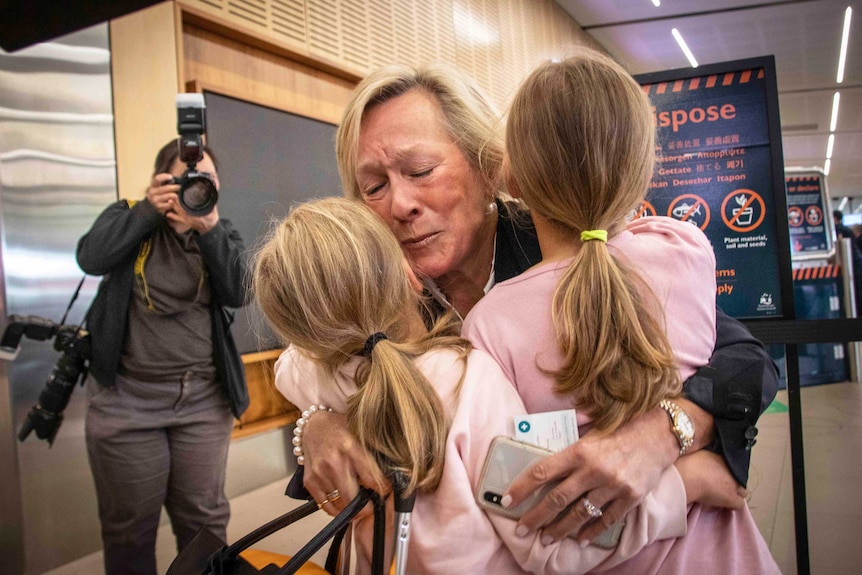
pixel 617 314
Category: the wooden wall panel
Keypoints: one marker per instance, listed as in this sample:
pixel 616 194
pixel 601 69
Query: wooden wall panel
pixel 495 41
pixel 288 19
pixel 144 79
pixel 381 24
pixel 268 408
pixel 231 67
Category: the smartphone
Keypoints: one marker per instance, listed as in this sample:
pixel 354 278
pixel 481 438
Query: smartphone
pixel 506 460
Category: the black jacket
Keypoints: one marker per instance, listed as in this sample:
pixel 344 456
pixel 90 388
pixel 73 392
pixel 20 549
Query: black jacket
pixel 110 249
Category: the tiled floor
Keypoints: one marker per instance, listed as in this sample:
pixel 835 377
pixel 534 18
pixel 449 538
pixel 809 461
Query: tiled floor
pixel 248 512
pixel 832 428
pixel 832 424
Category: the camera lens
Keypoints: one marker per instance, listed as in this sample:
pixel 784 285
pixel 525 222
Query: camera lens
pixel 492 497
pixel 198 195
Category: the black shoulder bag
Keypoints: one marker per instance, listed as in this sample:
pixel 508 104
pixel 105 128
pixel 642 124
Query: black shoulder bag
pixel 206 554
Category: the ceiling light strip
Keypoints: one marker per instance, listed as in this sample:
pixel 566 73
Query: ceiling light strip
pixel 834 121
pixel 684 47
pixel 829 146
pixel 826 167
pixel 845 39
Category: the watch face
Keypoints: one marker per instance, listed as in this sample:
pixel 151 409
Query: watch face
pixel 684 424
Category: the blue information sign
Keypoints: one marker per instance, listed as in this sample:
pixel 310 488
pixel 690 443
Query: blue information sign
pixel 715 171
pixel 810 234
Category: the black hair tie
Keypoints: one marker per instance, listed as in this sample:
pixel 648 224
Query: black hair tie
pixel 372 340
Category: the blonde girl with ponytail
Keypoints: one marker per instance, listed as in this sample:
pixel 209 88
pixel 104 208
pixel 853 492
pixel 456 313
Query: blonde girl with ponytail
pixel 338 294
pixel 618 313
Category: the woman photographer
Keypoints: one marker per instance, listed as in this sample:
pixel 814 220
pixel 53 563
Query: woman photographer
pixel 163 366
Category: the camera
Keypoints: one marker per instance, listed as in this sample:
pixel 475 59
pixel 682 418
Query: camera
pixel 71 368
pixel 197 194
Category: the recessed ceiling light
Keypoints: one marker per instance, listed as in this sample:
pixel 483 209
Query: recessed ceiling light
pixel 656 3
pixel 684 47
pixel 829 146
pixel 834 122
pixel 845 38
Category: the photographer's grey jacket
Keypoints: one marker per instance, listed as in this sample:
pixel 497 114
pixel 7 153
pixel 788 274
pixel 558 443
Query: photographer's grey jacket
pixel 111 248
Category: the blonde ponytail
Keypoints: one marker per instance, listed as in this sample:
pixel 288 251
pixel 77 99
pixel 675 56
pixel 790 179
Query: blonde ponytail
pixel 398 415
pixel 617 358
pixel 581 149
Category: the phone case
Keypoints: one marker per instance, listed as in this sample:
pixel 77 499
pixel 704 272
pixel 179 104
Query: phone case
pixel 506 459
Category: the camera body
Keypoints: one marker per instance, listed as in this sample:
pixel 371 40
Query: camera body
pixel 73 343
pixel 197 193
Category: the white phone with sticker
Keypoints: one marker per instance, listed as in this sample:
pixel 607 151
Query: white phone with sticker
pixel 506 460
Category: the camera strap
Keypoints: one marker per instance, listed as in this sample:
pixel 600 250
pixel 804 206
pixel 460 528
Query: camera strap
pixel 72 301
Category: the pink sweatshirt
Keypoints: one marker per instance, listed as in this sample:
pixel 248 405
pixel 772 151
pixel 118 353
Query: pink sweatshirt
pixel 514 324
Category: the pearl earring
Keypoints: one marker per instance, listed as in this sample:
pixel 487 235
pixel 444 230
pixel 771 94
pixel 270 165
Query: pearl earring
pixel 491 208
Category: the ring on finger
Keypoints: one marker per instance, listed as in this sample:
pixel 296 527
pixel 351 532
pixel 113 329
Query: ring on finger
pixel 333 496
pixel 591 509
pixel 322 503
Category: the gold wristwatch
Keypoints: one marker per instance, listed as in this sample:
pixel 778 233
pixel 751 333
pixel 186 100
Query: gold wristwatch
pixel 680 423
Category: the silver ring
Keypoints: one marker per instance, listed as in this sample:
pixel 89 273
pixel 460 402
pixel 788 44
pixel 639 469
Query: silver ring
pixel 592 510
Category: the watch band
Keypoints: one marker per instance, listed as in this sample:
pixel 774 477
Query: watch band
pixel 680 423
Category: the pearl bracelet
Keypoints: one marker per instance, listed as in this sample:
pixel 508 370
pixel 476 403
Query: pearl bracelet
pixel 300 428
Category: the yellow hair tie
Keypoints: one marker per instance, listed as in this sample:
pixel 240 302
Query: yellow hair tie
pixel 601 235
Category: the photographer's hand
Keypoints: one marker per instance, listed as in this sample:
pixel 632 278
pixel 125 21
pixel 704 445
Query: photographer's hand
pixel 181 220
pixel 162 194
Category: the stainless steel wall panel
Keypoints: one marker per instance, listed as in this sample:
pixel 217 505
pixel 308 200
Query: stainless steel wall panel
pixel 57 172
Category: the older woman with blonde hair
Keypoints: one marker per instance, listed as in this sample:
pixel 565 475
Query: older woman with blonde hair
pixel 423 149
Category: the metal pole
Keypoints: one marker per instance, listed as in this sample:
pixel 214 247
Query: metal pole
pixel 797 460
pixel 403 513
pixel 845 259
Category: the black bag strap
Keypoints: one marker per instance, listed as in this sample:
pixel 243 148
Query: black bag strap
pixel 335 528
pixel 379 537
pixel 230 553
pixel 333 556
pixel 341 520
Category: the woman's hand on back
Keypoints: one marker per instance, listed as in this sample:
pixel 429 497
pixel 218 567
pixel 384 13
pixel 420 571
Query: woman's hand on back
pixel 334 459
pixel 614 471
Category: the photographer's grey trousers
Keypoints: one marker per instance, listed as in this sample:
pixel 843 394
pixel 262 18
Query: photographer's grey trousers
pixel 153 444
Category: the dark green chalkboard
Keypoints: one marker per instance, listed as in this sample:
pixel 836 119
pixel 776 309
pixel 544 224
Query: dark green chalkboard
pixel 268 161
